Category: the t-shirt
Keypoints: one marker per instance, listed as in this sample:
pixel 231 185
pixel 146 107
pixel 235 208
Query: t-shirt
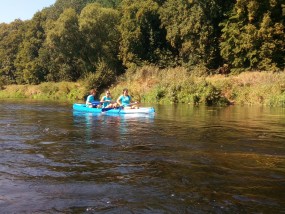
pixel 125 100
pixel 89 99
pixel 105 98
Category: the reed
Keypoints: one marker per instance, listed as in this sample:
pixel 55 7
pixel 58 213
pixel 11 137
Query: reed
pixel 178 85
pixel 173 85
pixel 45 91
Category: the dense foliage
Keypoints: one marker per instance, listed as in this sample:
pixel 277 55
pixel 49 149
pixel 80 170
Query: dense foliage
pixel 98 39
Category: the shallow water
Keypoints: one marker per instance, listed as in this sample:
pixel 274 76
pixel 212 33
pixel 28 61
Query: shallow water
pixel 183 159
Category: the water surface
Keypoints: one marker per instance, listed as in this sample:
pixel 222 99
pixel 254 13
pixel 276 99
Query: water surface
pixel 183 159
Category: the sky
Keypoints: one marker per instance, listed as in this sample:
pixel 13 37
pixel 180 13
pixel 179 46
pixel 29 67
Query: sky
pixel 21 9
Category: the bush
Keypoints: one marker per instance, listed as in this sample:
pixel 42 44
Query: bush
pixel 102 78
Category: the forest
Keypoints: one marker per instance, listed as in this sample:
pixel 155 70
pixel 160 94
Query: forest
pixel 100 40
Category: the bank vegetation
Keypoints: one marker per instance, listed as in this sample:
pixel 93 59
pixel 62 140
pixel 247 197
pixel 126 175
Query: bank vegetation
pixel 153 85
pixel 189 51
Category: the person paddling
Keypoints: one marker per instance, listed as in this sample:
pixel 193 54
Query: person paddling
pixel 107 101
pixel 91 98
pixel 125 100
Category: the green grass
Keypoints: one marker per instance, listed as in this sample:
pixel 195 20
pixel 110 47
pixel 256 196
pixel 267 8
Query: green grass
pixel 45 91
pixel 153 85
pixel 177 85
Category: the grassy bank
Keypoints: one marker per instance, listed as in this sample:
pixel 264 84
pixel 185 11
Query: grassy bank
pixel 177 85
pixel 64 91
pixel 153 85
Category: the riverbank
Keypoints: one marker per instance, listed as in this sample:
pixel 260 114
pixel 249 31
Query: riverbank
pixel 154 85
pixel 63 91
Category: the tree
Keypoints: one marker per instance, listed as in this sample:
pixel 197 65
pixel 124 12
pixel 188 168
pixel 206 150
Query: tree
pixel 192 29
pixel 143 38
pixel 63 44
pixel 55 10
pixel 253 36
pixel 109 3
pixel 29 69
pixel 98 26
pixel 10 40
pixel 272 49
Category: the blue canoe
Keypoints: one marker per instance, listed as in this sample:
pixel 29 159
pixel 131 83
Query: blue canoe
pixel 141 110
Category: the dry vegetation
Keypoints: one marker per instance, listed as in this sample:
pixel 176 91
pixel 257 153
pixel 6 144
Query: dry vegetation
pixel 177 85
pixel 150 84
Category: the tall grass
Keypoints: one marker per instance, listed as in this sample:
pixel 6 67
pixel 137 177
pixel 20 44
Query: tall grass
pixel 176 85
pixel 252 88
pixel 45 91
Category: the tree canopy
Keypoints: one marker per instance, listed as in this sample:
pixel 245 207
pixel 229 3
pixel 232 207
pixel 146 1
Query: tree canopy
pixel 73 38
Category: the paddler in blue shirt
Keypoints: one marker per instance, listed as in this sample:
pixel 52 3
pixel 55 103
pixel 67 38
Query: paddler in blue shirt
pixel 107 100
pixel 91 98
pixel 125 100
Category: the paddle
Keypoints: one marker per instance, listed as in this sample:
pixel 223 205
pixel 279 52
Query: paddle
pixel 120 108
pixel 95 103
pixel 107 109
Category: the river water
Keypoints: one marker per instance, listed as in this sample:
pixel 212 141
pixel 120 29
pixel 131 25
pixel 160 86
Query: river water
pixel 183 159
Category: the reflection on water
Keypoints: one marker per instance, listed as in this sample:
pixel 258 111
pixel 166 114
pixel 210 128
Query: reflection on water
pixel 108 127
pixel 183 159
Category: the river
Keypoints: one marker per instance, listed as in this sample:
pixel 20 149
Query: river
pixel 183 159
